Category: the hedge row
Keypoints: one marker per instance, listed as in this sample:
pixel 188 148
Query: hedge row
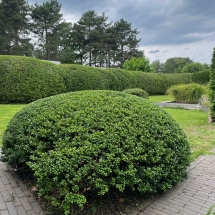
pixel 25 79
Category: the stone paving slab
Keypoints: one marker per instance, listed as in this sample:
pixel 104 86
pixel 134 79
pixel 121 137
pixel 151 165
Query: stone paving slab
pixel 194 196
pixel 15 198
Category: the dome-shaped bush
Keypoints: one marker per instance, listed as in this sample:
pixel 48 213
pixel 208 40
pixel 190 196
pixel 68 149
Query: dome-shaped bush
pixel 95 141
pixel 137 92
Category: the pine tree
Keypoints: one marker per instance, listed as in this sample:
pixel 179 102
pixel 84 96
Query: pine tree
pixel 127 41
pixel 14 28
pixel 212 88
pixel 48 26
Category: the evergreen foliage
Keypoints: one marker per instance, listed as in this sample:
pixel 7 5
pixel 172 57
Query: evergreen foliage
pixel 25 79
pixel 91 142
pixel 14 28
pixel 137 92
pixel 212 89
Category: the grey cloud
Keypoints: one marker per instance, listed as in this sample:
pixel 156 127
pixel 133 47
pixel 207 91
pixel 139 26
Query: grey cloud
pixel 154 51
pixel 160 23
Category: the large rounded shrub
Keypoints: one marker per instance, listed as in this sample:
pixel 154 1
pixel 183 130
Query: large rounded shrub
pixel 96 141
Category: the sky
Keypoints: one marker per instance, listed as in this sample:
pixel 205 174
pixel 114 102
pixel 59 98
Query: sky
pixel 167 28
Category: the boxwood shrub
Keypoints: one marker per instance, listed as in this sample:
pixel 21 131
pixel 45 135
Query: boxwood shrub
pixel 96 141
pixel 137 92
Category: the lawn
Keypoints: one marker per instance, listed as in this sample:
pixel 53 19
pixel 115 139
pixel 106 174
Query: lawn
pixel 6 113
pixel 200 134
pixel 162 98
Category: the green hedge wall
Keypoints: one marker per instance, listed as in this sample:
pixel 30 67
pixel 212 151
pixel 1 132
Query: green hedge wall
pixel 25 79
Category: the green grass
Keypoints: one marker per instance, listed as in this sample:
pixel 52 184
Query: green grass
pixel 6 113
pixel 200 134
pixel 161 98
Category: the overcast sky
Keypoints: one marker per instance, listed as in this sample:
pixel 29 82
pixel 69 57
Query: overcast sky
pixel 167 28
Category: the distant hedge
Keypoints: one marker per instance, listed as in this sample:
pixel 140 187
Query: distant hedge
pixel 25 79
pixel 202 77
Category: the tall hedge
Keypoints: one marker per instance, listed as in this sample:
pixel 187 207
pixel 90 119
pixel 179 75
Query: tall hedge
pixel 25 79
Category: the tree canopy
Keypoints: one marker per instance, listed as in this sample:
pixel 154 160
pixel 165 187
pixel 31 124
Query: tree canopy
pixel 39 30
pixel 138 64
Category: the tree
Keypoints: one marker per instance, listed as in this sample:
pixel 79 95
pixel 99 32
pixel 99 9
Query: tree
pixel 158 66
pixel 14 28
pixel 212 88
pixel 127 42
pixel 193 67
pixel 138 64
pixel 48 26
pixel 89 36
pixel 175 65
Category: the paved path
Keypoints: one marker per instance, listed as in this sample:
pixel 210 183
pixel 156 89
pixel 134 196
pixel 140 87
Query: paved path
pixel 15 198
pixel 194 196
pixel 183 105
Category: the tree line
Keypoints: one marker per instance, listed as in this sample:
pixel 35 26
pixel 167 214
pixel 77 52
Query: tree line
pixel 39 30
pixel 179 65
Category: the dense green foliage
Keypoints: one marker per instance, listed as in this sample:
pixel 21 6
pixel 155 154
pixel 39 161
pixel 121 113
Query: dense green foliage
pixel 158 66
pixel 193 68
pixel 202 77
pixel 92 41
pixel 175 64
pixel 138 64
pixel 14 28
pixel 26 79
pixel 50 30
pixel 187 93
pixel 137 92
pixel 212 89
pixel 93 142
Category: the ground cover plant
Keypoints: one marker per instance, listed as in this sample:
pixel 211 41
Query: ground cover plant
pixel 94 142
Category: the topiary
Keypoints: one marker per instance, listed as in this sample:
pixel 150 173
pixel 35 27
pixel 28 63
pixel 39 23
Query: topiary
pixel 137 92
pixel 96 141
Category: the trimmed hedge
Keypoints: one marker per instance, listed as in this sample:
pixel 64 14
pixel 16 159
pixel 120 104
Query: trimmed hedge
pixel 187 93
pixel 202 77
pixel 137 92
pixel 25 79
pixel 94 141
